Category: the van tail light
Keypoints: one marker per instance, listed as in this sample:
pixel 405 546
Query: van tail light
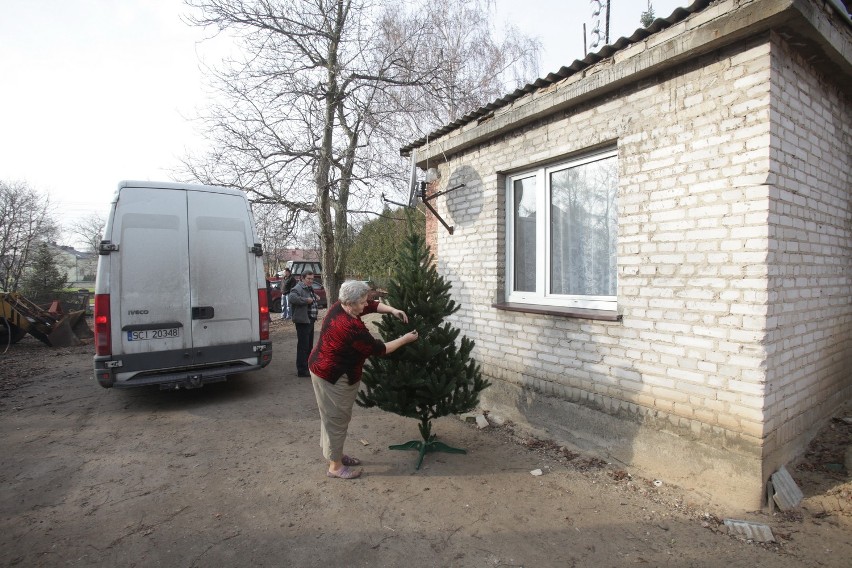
pixel 103 337
pixel 263 309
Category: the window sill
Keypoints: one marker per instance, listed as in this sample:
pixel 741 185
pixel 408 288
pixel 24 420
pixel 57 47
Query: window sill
pixel 599 315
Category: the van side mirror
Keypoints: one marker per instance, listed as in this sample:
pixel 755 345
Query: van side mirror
pixel 257 249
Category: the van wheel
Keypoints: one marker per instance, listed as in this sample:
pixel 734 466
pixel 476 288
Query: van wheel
pixel 8 329
pixel 276 306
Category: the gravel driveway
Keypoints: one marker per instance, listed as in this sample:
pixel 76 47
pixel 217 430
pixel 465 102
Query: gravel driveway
pixel 231 475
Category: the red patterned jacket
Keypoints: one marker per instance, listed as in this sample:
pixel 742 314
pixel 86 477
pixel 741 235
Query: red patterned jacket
pixel 344 344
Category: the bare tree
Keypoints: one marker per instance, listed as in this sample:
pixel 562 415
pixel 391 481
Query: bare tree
pixel 276 230
pixel 89 230
pixel 25 221
pixel 310 113
pixel 478 63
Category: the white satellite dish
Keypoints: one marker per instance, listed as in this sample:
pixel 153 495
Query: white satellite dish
pixel 412 180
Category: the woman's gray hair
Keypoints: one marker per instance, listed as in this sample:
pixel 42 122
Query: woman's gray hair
pixel 352 291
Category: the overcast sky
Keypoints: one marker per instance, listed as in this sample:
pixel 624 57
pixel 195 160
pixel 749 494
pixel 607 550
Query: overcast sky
pixel 97 91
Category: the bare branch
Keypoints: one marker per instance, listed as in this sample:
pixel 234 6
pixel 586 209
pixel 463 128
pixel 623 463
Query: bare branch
pixel 311 113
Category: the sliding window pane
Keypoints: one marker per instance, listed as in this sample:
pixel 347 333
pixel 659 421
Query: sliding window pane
pixel 524 228
pixel 583 229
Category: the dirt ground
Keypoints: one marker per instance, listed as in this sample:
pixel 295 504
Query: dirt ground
pixel 231 475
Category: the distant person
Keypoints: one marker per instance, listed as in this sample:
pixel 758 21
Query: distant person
pixel 287 283
pixel 336 365
pixel 304 304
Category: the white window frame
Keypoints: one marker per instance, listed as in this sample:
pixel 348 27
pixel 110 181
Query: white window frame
pixel 542 294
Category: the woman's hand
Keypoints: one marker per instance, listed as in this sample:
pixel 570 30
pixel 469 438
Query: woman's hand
pixel 409 337
pixel 401 315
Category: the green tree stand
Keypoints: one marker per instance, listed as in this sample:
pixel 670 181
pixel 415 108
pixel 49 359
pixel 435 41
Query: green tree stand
pixel 427 444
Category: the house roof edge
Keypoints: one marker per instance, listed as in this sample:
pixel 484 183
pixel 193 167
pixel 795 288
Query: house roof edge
pixel 709 34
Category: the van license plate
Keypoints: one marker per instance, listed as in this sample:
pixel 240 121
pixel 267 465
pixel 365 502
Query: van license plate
pixel 153 334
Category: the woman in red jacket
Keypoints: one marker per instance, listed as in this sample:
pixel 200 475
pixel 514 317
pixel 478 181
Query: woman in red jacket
pixel 336 363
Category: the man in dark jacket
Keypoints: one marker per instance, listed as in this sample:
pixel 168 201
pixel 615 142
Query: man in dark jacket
pixel 303 302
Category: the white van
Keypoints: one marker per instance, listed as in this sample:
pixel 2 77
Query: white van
pixel 180 295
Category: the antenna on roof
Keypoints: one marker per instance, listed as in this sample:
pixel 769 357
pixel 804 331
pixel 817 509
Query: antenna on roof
pixel 599 6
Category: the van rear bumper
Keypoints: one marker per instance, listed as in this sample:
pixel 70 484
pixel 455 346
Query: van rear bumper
pixel 158 368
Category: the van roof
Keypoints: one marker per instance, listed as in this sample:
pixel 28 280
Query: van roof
pixel 179 186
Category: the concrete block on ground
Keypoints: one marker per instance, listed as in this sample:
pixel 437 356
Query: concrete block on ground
pixel 496 420
pixel 787 494
pixel 752 531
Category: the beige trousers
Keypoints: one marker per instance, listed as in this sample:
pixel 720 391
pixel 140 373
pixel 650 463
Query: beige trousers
pixel 334 402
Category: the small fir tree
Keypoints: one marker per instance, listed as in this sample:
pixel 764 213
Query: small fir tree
pixel 44 279
pixel 433 376
pixel 647 17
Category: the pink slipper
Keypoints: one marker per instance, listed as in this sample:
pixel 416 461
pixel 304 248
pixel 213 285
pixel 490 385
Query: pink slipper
pixel 344 473
pixel 350 461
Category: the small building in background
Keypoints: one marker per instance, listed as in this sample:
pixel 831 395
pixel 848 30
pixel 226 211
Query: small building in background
pixel 81 267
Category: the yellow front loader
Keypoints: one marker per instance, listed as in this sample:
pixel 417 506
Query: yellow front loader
pixel 19 316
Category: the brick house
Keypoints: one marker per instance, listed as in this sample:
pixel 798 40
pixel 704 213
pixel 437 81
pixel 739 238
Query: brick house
pixel 652 248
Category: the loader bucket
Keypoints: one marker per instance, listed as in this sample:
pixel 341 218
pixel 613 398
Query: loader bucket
pixel 70 330
pixel 62 335
pixel 79 326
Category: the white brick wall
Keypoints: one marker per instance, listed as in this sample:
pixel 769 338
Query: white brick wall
pixel 810 257
pixel 733 255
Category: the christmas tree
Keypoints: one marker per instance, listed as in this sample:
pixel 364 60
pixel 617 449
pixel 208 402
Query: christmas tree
pixel 433 376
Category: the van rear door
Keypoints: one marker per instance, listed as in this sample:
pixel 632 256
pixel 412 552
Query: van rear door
pixel 153 308
pixel 223 306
